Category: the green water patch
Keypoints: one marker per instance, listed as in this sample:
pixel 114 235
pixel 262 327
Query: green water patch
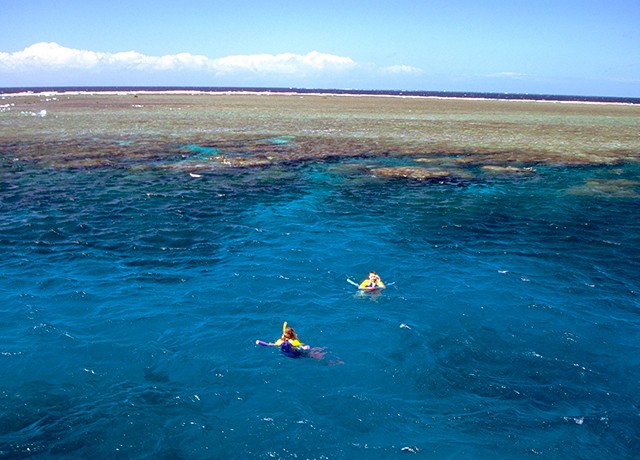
pixel 280 140
pixel 203 152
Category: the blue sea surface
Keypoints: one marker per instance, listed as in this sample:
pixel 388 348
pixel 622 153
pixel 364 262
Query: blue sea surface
pixel 132 299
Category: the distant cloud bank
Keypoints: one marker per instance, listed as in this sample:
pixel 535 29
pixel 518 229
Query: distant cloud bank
pixel 52 56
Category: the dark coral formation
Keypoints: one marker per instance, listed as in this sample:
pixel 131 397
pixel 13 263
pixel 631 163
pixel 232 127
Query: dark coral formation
pixel 208 131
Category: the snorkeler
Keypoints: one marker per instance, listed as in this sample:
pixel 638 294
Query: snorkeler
pixel 289 335
pixel 373 282
pixel 289 343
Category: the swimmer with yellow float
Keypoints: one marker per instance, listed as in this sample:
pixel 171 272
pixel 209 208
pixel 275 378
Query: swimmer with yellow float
pixel 372 283
pixel 289 343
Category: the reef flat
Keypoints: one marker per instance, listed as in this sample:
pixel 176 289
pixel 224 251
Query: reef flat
pixel 224 130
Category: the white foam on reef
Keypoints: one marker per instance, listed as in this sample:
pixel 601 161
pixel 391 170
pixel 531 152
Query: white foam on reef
pixel 42 113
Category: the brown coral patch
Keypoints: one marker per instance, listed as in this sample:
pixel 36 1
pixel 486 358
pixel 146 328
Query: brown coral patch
pixel 499 170
pixel 421 174
pixel 614 188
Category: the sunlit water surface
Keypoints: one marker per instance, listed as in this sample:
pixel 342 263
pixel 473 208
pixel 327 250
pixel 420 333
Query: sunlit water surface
pixel 132 298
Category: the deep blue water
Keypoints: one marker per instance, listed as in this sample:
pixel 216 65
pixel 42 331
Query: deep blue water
pixel 132 299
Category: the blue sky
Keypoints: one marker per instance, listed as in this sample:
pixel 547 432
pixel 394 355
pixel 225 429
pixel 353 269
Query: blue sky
pixel 581 47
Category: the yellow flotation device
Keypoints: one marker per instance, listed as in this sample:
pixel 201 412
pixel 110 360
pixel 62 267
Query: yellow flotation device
pixel 294 342
pixel 366 284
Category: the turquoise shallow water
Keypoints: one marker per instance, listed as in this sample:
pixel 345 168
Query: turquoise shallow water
pixel 132 299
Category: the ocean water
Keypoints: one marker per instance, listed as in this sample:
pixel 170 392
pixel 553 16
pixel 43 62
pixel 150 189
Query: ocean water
pixel 132 297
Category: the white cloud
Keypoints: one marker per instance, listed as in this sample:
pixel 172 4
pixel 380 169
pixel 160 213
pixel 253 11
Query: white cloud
pixel 401 69
pixel 48 55
pixel 54 56
pixel 514 75
pixel 285 63
pixel 47 64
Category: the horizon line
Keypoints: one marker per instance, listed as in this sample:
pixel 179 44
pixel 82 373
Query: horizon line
pixel 15 90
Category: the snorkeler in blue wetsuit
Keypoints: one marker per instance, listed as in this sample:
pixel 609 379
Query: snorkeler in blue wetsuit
pixel 289 343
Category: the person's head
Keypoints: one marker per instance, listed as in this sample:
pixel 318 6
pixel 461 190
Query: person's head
pixel 289 334
pixel 373 275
